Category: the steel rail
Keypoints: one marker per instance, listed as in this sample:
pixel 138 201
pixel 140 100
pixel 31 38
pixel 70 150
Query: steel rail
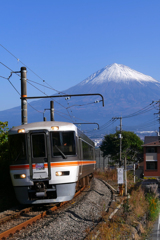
pixel 23 225
pixel 15 215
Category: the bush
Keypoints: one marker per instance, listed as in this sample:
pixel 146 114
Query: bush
pixel 3 140
pixel 7 198
pixel 154 206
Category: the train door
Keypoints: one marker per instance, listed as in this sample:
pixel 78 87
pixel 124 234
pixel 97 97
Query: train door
pixel 39 155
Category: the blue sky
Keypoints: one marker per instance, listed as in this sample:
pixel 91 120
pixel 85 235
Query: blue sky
pixel 65 41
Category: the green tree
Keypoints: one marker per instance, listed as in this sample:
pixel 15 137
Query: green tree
pixel 131 146
pixel 7 195
pixel 3 140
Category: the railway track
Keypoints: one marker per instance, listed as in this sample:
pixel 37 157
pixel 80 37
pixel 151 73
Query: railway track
pixel 26 217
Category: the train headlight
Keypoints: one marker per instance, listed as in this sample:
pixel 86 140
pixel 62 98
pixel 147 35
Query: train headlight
pixel 58 173
pixel 22 130
pixel 64 173
pixel 20 176
pixel 23 175
pixel 55 128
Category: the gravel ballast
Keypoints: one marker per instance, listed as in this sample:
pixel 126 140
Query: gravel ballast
pixel 73 221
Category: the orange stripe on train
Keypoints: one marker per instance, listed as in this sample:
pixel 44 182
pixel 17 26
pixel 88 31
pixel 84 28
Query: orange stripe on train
pixel 60 164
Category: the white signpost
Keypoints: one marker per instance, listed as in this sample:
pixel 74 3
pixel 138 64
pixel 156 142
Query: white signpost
pixel 120 175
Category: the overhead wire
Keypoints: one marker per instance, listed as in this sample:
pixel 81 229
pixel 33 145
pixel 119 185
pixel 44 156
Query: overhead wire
pixel 3 77
pixel 107 125
pixel 28 80
pixel 51 98
pixel 141 111
pixel 29 83
pixel 53 88
pixel 38 90
pixel 80 105
pixel 28 68
pixel 15 87
pixel 38 77
pixel 142 126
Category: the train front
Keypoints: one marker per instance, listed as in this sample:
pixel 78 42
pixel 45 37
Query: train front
pixel 45 163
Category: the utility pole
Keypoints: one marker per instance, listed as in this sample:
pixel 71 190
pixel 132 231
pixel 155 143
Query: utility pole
pixel 125 159
pixel 23 95
pixel 51 110
pixel 125 175
pixel 158 116
pixel 120 160
pixel 120 139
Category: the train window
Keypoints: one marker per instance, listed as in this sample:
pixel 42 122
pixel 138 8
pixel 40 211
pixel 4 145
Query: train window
pixel 63 143
pixel 87 151
pixel 38 145
pixel 17 147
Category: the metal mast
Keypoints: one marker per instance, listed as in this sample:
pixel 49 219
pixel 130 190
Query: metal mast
pixel 23 95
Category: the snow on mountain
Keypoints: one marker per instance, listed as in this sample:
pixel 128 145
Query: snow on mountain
pixel 117 73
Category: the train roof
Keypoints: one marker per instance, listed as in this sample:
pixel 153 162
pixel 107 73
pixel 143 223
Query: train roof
pixel 46 125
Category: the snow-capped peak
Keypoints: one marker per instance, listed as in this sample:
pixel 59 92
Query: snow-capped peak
pixel 117 73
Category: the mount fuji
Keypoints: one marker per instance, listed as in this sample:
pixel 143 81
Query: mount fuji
pixel 117 73
pixel 124 90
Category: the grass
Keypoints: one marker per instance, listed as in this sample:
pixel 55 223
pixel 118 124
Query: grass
pixel 124 223
pixel 110 176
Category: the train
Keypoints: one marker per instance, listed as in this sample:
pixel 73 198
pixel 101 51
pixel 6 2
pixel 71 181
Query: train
pixel 50 160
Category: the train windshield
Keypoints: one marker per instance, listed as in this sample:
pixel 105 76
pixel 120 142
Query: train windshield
pixel 38 145
pixel 17 147
pixel 63 143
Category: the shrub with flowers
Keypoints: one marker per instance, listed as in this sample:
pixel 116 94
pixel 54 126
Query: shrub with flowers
pixel 154 206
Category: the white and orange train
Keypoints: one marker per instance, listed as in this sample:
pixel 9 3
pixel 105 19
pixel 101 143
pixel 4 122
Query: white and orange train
pixel 49 159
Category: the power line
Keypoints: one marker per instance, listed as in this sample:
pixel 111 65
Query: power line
pixel 51 98
pixel 3 77
pixel 7 67
pixel 142 126
pixel 14 86
pixel 141 111
pixel 80 105
pixel 28 80
pixel 34 87
pixel 37 89
pixel 28 67
pixel 107 125
pixel 29 83
pixel 38 77
pixel 53 88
